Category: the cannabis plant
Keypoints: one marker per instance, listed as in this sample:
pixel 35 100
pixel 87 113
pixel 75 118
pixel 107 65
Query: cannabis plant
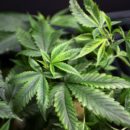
pixel 57 70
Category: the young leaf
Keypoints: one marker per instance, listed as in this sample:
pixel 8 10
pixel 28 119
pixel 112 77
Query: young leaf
pixel 95 33
pixel 60 48
pixel 93 9
pixel 67 68
pixel 81 17
pixel 102 19
pixel 91 46
pixel 101 53
pixel 52 70
pixel 67 55
pixel 83 38
pixel 45 56
pixel 64 107
pixel 101 104
pixel 108 22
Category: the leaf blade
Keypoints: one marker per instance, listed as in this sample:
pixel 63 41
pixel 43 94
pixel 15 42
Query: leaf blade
pixel 43 96
pixel 91 46
pixel 79 14
pixel 65 109
pixel 100 81
pixel 67 68
pixel 25 39
pixel 67 55
pixel 101 104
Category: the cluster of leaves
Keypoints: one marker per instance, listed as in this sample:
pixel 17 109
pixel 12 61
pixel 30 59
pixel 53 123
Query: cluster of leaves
pixel 8 26
pixel 57 68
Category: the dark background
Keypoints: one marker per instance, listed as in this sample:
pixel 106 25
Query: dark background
pixel 49 7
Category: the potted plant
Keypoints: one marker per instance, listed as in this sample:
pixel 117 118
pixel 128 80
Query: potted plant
pixel 63 74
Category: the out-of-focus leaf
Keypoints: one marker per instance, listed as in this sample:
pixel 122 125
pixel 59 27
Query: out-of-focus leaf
pixel 11 21
pixel 6 126
pixel 8 42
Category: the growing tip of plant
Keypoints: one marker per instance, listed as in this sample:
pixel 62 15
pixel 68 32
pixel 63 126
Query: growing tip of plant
pixel 40 16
